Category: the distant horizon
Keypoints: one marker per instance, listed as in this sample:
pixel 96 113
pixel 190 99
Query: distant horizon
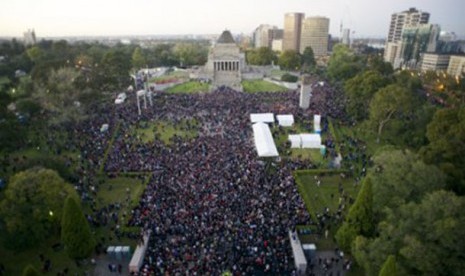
pixel 150 35
pixel 87 18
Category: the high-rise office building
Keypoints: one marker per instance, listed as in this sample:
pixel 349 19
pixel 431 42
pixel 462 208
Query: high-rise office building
pixel 456 66
pixel 261 36
pixel 415 41
pixel 399 21
pixel 434 62
pixel 292 31
pixel 265 34
pixel 315 32
pixel 29 37
pixel 346 37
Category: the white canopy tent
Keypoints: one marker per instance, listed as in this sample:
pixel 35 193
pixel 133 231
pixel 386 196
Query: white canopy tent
pixel 311 141
pixel 264 142
pixel 262 118
pixel 295 140
pixel 299 257
pixel 104 128
pixel 317 123
pixel 285 120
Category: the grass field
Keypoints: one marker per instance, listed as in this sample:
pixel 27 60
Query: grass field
pixel 190 87
pixel 254 86
pixel 165 131
pixel 317 198
pixel 171 75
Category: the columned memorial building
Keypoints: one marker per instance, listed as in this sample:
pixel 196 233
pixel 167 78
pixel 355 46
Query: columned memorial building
pixel 225 63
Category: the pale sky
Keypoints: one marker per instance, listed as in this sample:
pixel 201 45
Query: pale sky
pixel 368 18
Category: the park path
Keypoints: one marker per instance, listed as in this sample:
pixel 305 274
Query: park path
pixel 101 266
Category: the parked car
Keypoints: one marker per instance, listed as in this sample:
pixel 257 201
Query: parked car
pixel 121 98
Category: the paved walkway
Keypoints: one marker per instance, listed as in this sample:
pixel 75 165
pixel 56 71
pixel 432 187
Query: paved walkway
pixel 326 263
pixel 102 263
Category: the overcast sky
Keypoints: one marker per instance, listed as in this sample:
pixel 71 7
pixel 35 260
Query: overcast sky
pixel 368 18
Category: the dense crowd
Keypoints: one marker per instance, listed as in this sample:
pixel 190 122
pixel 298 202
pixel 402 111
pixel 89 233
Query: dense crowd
pixel 212 205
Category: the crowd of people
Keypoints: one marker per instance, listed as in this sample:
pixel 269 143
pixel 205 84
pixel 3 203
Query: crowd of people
pixel 211 204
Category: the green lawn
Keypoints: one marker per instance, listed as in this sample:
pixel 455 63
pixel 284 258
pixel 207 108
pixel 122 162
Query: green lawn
pixel 171 75
pixel 114 190
pixel 277 73
pixel 254 86
pixel 317 198
pixel 190 87
pixel 327 194
pixel 165 131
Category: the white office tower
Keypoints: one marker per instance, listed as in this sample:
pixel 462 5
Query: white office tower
pixel 305 92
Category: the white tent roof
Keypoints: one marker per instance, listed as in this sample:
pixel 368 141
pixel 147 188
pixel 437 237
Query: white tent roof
pixel 264 142
pixel 295 140
pixel 299 257
pixel 262 117
pixel 311 140
pixel 316 122
pixel 285 120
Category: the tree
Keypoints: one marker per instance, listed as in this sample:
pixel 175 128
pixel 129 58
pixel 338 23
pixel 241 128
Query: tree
pixel 389 267
pixel 446 136
pixel 113 70
pixel 189 54
pixel 343 63
pixel 360 90
pixel 261 56
pixel 376 63
pixel 289 60
pixel 30 271
pixel 308 59
pixel 427 237
pixel 32 206
pixel 409 80
pixel 390 103
pixel 60 95
pixel 138 59
pixel 35 53
pixel 162 55
pixel 400 177
pixel 75 231
pixel 360 219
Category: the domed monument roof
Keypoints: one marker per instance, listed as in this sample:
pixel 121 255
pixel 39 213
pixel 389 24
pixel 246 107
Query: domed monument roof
pixel 226 37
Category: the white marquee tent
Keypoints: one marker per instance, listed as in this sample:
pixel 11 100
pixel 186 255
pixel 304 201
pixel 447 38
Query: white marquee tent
pixel 311 141
pixel 262 118
pixel 317 123
pixel 264 142
pixel 285 120
pixel 295 140
pixel 299 257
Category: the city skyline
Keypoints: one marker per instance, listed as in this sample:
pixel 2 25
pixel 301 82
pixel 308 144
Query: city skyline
pixel 52 18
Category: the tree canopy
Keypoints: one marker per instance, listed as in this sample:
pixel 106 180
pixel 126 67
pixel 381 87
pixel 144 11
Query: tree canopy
pixel 390 107
pixel 399 177
pixel 343 63
pixel 75 231
pixel 32 206
pixel 261 56
pixel 308 59
pixel 289 60
pixel 446 149
pixel 426 235
pixel 389 267
pixel 30 271
pixel 360 220
pixel 360 90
